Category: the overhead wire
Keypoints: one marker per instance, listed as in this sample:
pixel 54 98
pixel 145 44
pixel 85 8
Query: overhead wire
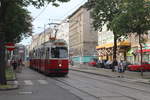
pixel 40 12
pixel 74 8
pixel 68 12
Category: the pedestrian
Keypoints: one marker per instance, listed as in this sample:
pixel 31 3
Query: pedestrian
pixel 114 65
pixel 121 68
pixel 14 64
pixel 71 62
pixel 20 64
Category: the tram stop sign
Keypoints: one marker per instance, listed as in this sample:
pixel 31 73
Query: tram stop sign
pixel 10 46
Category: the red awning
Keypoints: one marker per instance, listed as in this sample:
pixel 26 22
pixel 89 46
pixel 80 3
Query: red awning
pixel 144 50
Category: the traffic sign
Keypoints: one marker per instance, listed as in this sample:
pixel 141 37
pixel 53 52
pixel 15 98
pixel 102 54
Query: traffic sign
pixel 10 46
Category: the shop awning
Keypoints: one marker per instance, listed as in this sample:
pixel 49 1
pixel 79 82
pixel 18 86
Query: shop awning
pixel 109 45
pixel 100 47
pixel 124 43
pixel 144 50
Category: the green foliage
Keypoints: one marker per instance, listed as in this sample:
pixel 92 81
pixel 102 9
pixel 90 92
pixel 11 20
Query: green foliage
pixel 18 19
pixel 103 12
pixel 17 23
pixel 39 3
pixel 135 17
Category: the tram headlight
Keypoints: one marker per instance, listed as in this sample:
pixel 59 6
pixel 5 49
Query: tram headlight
pixel 60 65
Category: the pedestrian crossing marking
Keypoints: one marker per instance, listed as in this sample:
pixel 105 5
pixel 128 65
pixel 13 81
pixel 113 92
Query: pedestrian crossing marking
pixel 15 82
pixel 42 81
pixel 28 82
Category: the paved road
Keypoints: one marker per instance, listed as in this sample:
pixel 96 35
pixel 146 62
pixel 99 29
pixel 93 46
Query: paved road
pixel 76 86
pixel 35 86
pixel 93 87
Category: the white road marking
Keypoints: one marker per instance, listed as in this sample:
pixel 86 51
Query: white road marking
pixel 15 82
pixel 25 92
pixel 42 81
pixel 28 82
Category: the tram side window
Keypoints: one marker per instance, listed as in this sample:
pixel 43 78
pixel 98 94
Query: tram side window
pixel 47 53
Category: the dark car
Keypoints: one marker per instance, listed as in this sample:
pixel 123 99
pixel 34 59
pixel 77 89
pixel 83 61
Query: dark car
pixel 101 64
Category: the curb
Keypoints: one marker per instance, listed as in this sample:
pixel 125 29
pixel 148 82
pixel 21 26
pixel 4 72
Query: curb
pixel 92 73
pixel 146 82
pixel 8 89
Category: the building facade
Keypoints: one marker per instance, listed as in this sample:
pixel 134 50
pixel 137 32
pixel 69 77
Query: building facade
pixel 106 43
pixel 38 39
pixel 82 37
pixel 63 31
pixel 135 49
pixel 127 49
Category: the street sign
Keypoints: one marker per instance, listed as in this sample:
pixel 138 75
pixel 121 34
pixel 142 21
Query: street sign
pixel 10 46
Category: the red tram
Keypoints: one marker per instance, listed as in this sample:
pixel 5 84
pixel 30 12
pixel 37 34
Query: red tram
pixel 50 58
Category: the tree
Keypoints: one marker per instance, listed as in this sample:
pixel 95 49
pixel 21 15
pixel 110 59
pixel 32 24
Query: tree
pixel 13 30
pixel 134 19
pixel 18 23
pixel 103 12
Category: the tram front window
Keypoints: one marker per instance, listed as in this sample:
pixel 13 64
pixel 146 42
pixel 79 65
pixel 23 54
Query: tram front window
pixel 59 52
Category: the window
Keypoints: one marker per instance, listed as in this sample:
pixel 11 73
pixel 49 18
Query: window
pixel 59 52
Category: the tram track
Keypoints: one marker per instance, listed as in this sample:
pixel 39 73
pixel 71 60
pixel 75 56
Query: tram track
pixel 104 81
pixel 96 97
pixel 122 95
pixel 65 83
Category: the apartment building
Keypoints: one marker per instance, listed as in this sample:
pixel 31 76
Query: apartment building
pixel 82 37
pixel 127 49
pixel 63 31
pixel 38 39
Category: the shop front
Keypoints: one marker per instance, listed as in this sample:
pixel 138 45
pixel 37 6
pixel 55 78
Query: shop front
pixel 105 51
pixel 145 52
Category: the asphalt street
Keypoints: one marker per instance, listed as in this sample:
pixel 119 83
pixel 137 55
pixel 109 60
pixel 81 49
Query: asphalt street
pixel 35 86
pixel 76 86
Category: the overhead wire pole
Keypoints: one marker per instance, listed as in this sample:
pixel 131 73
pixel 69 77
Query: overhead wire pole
pixel 44 34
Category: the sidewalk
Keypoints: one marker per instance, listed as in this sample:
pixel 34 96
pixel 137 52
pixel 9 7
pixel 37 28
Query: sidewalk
pixel 132 76
pixel 11 79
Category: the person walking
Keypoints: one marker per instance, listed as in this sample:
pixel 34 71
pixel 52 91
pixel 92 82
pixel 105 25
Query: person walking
pixel 20 64
pixel 14 64
pixel 121 68
pixel 114 65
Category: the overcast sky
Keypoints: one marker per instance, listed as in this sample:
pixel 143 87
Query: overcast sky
pixel 49 14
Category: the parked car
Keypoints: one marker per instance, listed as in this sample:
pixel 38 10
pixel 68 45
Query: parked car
pixel 108 64
pixel 93 62
pixel 101 64
pixel 145 66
